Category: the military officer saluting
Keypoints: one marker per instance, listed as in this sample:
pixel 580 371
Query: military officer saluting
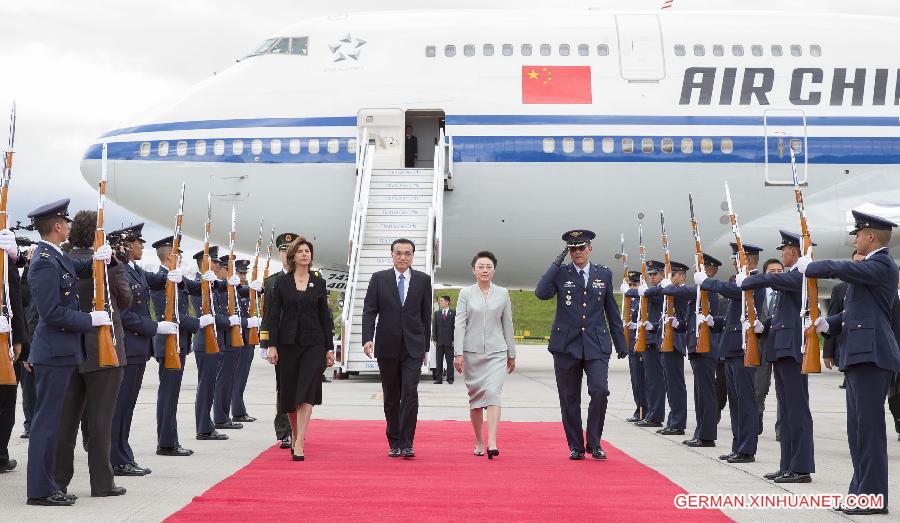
pixel 870 354
pixel 57 347
pixel 586 326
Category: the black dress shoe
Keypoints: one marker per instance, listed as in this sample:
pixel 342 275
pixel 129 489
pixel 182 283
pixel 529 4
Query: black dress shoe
pixel 295 457
pixel 173 451
pixel 115 491
pixel 394 453
pixel 493 452
pixel 138 467
pixel 8 466
pixel 449 382
pixel 699 442
pixel 230 425
pixel 244 419
pixel 773 475
pixel 648 423
pixel 438 382
pixel 741 458
pixel 215 436
pixel 728 456
pixel 576 455
pixel 73 497
pixel 286 442
pixel 597 453
pixel 127 470
pixel 633 419
pixel 408 453
pixel 671 431
pixel 793 477
pixel 864 511
pixel 56 500
pixel 25 435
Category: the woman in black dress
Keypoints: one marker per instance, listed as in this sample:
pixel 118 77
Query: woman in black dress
pixel 297 322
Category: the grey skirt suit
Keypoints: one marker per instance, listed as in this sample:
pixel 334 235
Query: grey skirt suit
pixel 483 336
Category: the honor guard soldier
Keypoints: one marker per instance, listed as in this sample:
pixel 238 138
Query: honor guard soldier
pixel 870 355
pixel 635 360
pixel 586 326
pixel 15 326
pixel 58 346
pixel 784 351
pixel 711 268
pixel 245 358
pixel 654 375
pixel 228 363
pixel 738 378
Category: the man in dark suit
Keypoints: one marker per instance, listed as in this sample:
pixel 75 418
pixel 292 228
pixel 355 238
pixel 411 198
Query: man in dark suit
pixel 411 148
pixel 442 336
pixel 763 379
pixel 400 300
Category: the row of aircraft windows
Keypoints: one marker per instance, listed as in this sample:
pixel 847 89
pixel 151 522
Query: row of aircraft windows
pixel 524 50
pixel 647 145
pixel 755 50
pixel 219 147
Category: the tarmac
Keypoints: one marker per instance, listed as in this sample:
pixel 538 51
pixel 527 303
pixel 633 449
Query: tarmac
pixel 529 394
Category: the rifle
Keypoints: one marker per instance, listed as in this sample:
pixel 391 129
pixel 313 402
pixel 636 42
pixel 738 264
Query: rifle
pixel 626 300
pixel 702 302
pixel 173 356
pixel 640 342
pixel 262 299
pixel 7 373
pixel 748 309
pixel 810 298
pixel 253 333
pixel 106 344
pixel 209 332
pixel 237 340
pixel 667 344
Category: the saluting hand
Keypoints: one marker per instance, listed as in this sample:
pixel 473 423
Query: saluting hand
pixel 562 256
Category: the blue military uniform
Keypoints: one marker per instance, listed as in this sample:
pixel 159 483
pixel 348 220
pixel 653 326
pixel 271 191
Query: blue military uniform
pixel 586 326
pixel 245 360
pixel 635 360
pixel 229 363
pixel 869 355
pixel 654 375
pixel 56 350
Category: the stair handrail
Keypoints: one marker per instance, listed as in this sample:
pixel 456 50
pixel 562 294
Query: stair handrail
pixel 435 237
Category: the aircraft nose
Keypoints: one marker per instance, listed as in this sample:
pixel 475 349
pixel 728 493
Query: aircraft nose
pixel 90 163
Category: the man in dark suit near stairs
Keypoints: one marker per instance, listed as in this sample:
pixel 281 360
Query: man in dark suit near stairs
pixel 442 336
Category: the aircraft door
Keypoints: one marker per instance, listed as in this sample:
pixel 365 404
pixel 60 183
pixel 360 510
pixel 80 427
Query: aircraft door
pixel 784 129
pixel 641 56
pixel 385 130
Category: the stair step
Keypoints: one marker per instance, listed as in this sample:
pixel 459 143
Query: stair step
pixel 401 186
pixel 400 199
pixel 402 172
pixel 405 178
pixel 397 212
pixel 415 216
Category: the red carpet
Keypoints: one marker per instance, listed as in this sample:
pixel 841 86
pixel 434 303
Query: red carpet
pixel 348 475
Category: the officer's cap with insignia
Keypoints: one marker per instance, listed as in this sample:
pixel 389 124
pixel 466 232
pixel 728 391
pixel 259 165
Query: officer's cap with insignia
pixel 634 276
pixel 224 260
pixel 578 237
pixel 128 234
pixel 654 266
pixel 213 254
pixel 710 260
pixel 57 209
pixel 284 239
pixel 168 241
pixel 678 267
pixel 788 238
pixel 748 248
pixel 869 221
pixel 241 265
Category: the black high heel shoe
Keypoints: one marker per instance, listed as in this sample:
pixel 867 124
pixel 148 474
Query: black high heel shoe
pixel 493 452
pixel 296 457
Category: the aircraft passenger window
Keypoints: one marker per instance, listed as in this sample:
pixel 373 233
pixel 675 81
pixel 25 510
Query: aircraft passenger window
pixel 507 50
pixel 797 146
pixel 219 147
pixel 430 51
pixel 667 145
pixel 777 50
pixel 545 49
pixel 815 50
pixel 275 146
pixel 487 50
pixel 796 50
pixel 718 50
pixel 687 145
pixel 583 50
pixel 526 50
pixel 237 147
pixel 351 145
pixel 706 145
pixel 568 145
pixel 334 145
pixel 679 50
pixel 313 146
pixel 564 49
pixel 737 50
pixel 163 149
pixel 608 146
pixel 256 147
pixel 294 146
pixel 300 45
pixel 756 50
pixel 469 50
pixel 549 145
pixel 699 50
pixel 602 50
pixel 587 145
pixel 449 51
pixel 282 46
pixel 145 149
pixel 627 145
pixel 726 146
pixel 200 147
pixel 181 148
pixel 646 145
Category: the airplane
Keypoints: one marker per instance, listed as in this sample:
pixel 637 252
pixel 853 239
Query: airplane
pixel 549 120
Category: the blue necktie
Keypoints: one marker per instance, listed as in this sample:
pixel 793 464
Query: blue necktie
pixel 400 289
pixel 582 273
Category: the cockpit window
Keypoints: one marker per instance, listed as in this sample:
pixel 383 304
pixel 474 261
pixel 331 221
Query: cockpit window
pixel 298 45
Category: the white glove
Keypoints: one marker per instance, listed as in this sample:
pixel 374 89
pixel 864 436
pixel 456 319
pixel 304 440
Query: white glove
pixel 206 320
pixel 709 319
pixel 665 283
pixel 234 280
pixel 699 277
pixel 642 288
pixel 209 276
pixel 234 321
pixel 264 353
pixel 648 326
pixel 99 318
pixel 8 243
pixel 632 325
pixel 4 325
pixel 166 328
pixel 104 254
pixel 256 285
pixel 622 288
pixel 802 263
pixel 253 322
pixel 175 276
pixel 822 325
pixel 758 327
pixel 675 322
pixel 739 278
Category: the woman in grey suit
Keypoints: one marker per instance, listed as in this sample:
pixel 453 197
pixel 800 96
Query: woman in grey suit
pixel 484 347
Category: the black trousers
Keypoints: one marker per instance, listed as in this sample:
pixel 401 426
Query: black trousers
pixel 721 388
pixel 7 418
pixel 26 381
pixel 50 386
pixel 282 423
pixel 569 371
pixel 399 385
pixel 444 353
pixel 867 388
pixel 94 394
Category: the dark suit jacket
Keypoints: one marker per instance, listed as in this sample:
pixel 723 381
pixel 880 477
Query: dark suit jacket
pixel 136 319
pixel 836 305
pixel 119 292
pixel 294 319
pixel 411 148
pixel 786 330
pixel 442 329
pixel 409 324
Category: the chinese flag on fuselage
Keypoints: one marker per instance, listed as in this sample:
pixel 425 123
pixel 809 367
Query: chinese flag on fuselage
pixel 556 84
